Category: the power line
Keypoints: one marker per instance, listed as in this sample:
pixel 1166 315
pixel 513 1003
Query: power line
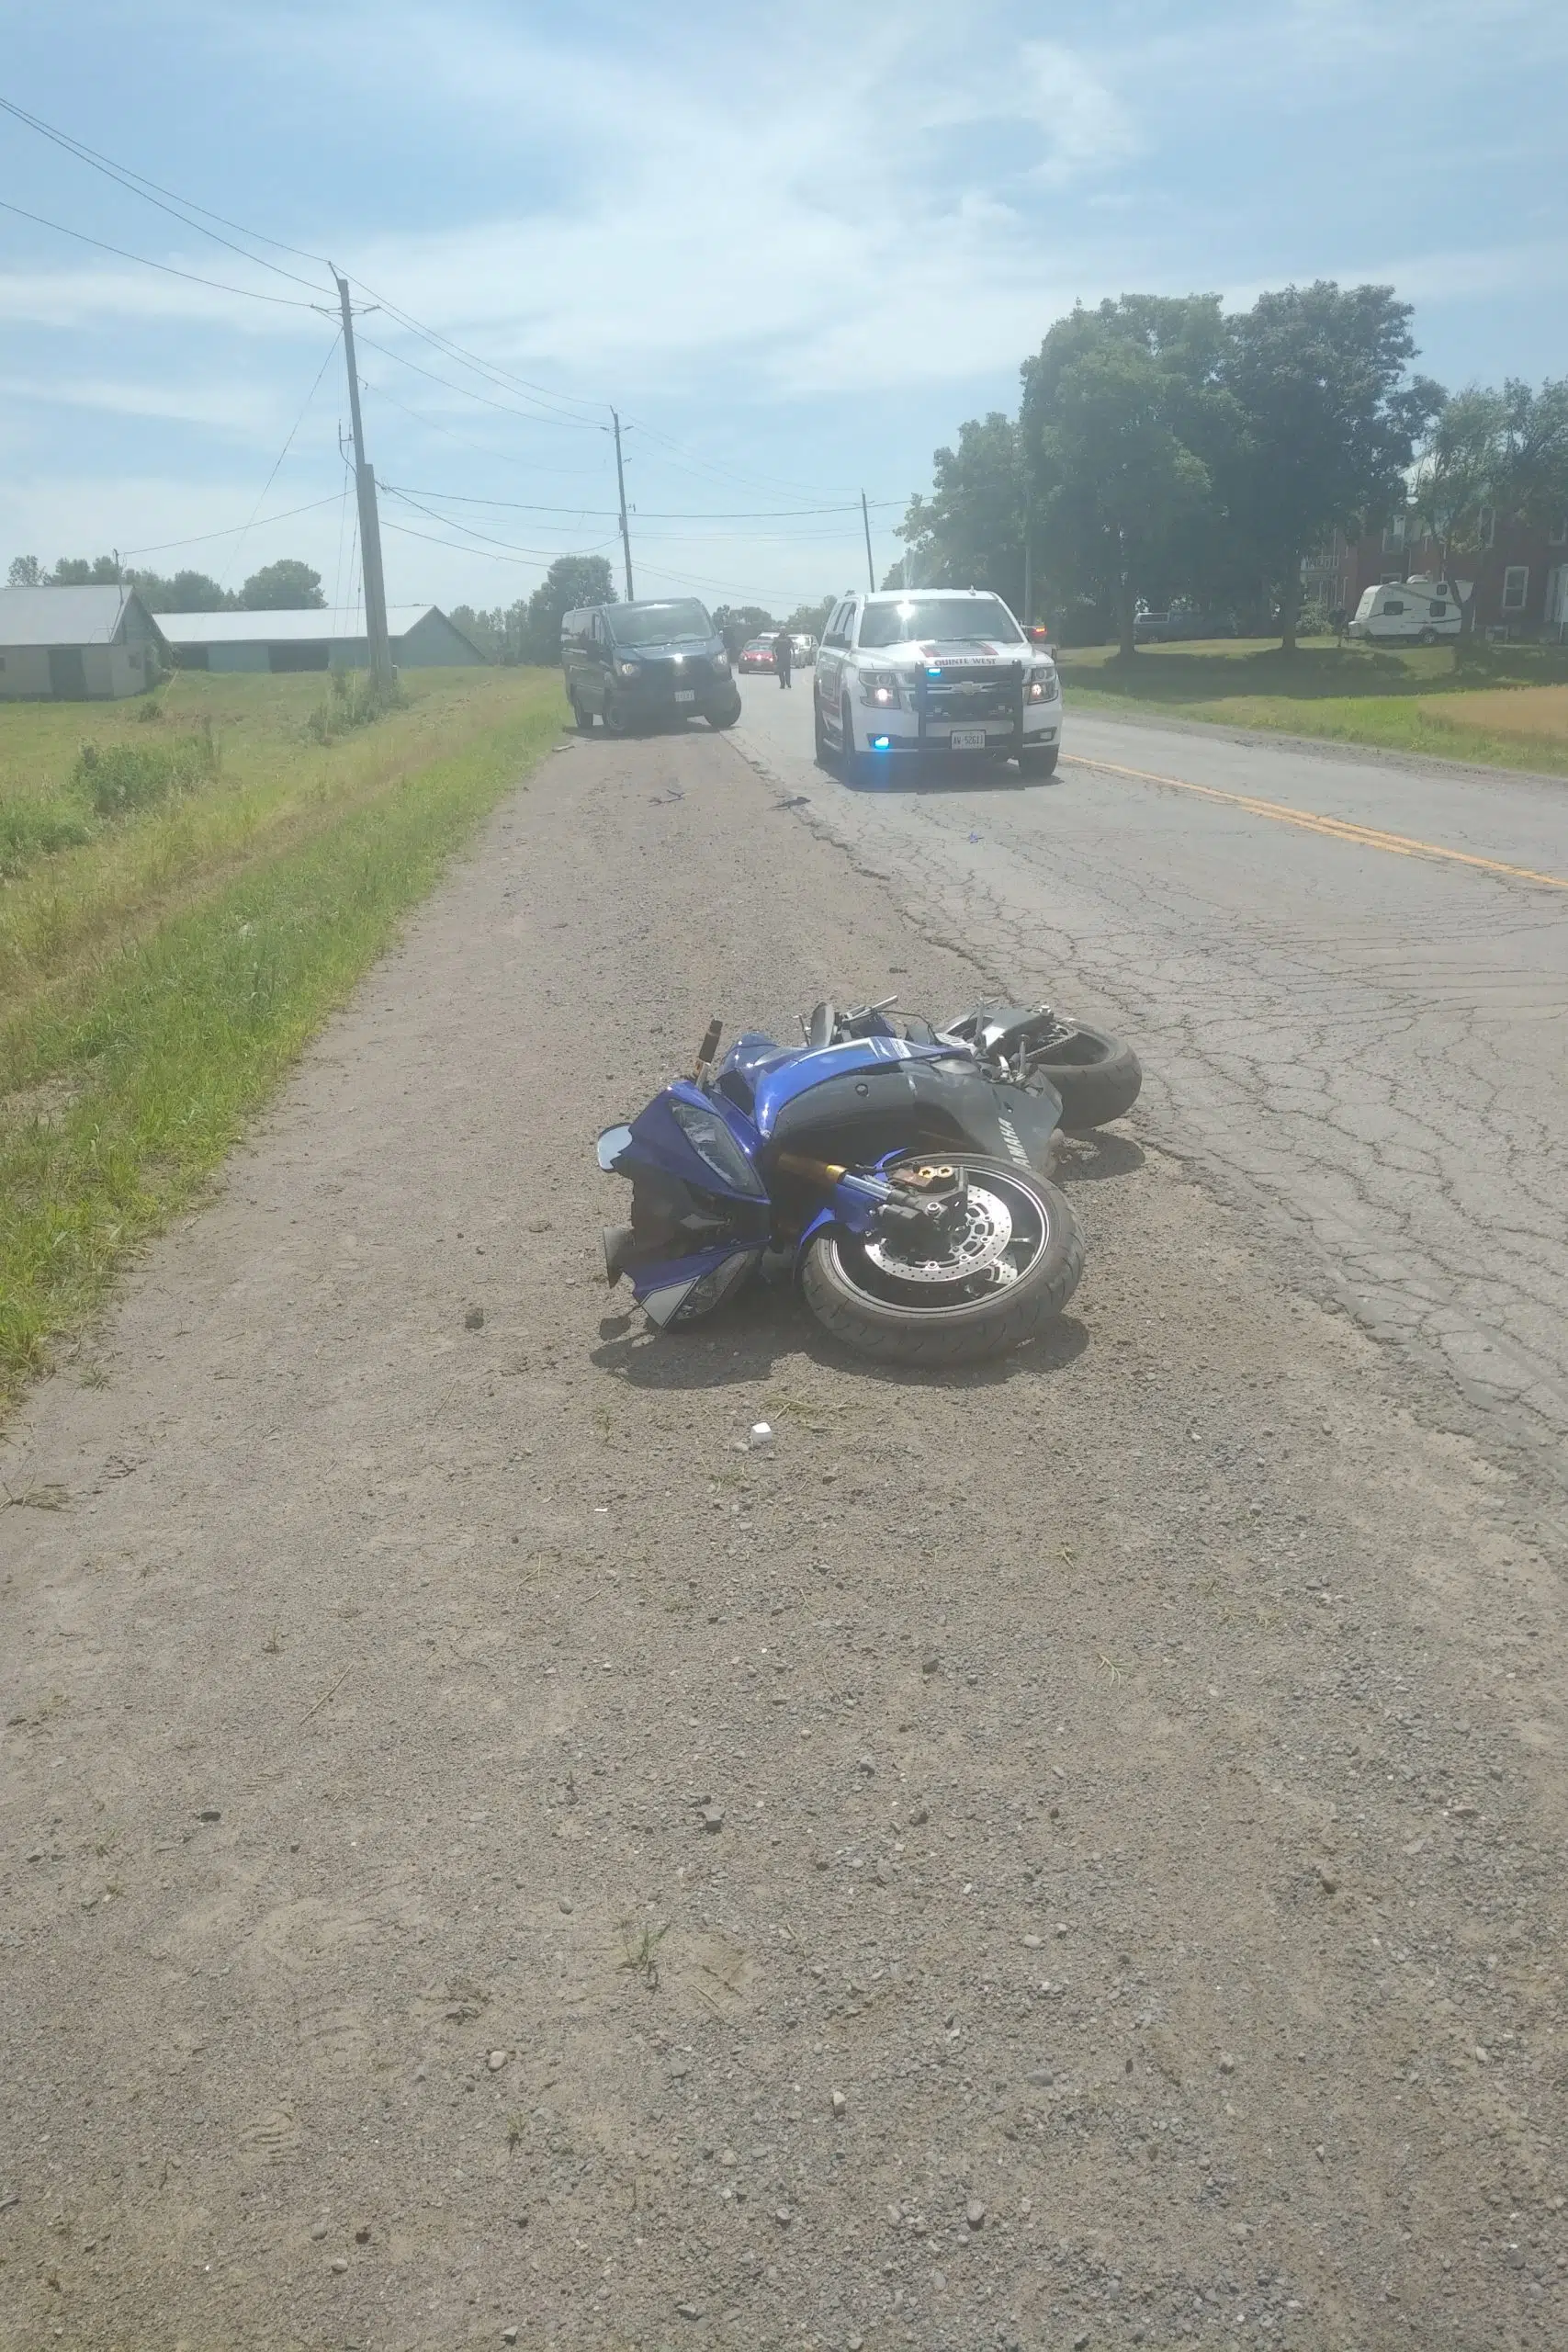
pixel 490 370
pixel 484 537
pixel 236 529
pixel 495 457
pixel 283 453
pixel 177 207
pixel 281 301
pixel 91 155
pixel 562 423
pixel 532 555
pixel 648 514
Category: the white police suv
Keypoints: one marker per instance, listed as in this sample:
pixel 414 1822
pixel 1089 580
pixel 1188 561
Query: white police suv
pixel 943 671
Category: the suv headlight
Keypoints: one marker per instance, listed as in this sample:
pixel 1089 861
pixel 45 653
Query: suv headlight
pixel 629 669
pixel 1043 685
pixel 721 664
pixel 713 1143
pixel 880 688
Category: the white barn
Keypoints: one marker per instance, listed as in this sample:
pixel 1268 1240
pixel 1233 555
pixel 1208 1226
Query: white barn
pixel 422 638
pixel 77 645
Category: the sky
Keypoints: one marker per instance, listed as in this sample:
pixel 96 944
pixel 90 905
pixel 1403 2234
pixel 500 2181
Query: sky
pixel 795 248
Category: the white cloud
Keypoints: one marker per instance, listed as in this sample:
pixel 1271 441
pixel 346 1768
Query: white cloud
pixel 245 409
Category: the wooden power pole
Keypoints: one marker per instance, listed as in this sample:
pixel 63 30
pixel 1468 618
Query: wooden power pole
pixel 621 485
pixel 369 521
pixel 870 567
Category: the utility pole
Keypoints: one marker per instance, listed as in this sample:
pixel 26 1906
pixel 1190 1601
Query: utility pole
pixel 621 484
pixel 369 521
pixel 870 567
pixel 1028 572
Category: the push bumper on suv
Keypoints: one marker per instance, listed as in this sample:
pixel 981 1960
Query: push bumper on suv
pixel 960 699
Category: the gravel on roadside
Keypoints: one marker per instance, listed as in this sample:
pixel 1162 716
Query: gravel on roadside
pixel 1067 1853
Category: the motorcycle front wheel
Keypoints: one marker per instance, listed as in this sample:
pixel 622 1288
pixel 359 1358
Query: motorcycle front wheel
pixel 1012 1272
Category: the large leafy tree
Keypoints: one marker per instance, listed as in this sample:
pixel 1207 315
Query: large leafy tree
pixel 1120 406
pixel 25 572
pixel 571 581
pixel 969 533
pixel 1458 476
pixel 1533 478
pixel 187 592
pixel 1331 417
pixel 75 571
pixel 286 586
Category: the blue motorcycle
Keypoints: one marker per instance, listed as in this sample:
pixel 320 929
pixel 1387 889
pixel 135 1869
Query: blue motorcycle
pixel 901 1176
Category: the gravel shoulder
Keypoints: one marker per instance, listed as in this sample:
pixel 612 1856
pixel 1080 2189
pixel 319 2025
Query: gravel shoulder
pixel 1065 1854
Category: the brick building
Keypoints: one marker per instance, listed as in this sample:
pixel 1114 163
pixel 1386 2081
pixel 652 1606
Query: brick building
pixel 1519 573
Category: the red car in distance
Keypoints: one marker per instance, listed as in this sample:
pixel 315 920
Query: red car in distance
pixel 756 655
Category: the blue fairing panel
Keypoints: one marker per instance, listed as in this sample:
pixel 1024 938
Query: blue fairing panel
pixel 803 1071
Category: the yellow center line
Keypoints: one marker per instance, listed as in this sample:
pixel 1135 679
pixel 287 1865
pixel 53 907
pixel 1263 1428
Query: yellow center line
pixel 1333 828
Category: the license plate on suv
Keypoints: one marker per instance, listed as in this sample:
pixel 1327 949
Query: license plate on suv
pixel 968 738
pixel 686 694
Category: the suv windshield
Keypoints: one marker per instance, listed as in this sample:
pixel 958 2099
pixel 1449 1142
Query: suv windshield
pixel 952 620
pixel 657 624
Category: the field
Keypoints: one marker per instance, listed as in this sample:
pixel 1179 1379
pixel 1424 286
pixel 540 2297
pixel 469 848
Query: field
pixel 183 898
pixel 1508 707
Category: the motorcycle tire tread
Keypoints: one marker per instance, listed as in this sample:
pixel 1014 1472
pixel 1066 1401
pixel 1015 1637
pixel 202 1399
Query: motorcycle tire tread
pixel 1095 1093
pixel 1011 1323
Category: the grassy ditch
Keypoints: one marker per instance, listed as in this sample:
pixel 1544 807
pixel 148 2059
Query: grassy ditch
pixel 206 889
pixel 1506 708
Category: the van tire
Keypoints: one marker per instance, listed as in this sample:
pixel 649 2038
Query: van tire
pixel 1034 763
pixel 1428 636
pixel 819 733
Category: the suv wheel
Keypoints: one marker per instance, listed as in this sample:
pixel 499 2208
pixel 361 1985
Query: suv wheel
pixel 858 768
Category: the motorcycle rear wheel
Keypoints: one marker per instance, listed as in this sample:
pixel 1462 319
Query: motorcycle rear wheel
pixel 1097 1077
pixel 913 1323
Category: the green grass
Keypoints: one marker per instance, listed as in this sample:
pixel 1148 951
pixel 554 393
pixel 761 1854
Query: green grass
pixel 1506 708
pixel 162 973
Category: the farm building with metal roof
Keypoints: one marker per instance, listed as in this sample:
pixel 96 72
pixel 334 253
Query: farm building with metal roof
pixel 421 636
pixel 77 645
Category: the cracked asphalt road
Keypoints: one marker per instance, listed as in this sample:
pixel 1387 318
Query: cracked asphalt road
pixel 1367 1042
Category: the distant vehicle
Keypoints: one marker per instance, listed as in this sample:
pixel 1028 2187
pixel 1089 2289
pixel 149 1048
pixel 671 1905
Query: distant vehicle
pixel 1408 612
pixel 1178 627
pixel 641 664
pixel 756 655
pixel 805 650
pixel 940 673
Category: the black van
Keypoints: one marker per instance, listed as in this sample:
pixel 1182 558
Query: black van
pixel 643 664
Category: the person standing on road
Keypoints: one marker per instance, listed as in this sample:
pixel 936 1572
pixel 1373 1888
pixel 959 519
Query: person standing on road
pixel 783 655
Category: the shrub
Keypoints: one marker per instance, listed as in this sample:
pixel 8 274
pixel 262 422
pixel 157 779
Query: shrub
pixel 33 829
pixel 355 700
pixel 116 779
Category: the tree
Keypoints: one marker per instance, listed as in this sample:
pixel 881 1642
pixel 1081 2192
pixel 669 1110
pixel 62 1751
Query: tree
pixel 286 586
pixel 187 592
pixel 25 572
pixel 969 533
pixel 1330 420
pixel 1458 475
pixel 571 581
pixel 75 571
pixel 1533 478
pixel 488 630
pixel 807 620
pixel 1116 404
pixel 736 623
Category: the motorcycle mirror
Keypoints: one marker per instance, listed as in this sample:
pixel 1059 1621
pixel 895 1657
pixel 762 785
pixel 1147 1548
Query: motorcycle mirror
pixel 709 1046
pixel 612 1144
